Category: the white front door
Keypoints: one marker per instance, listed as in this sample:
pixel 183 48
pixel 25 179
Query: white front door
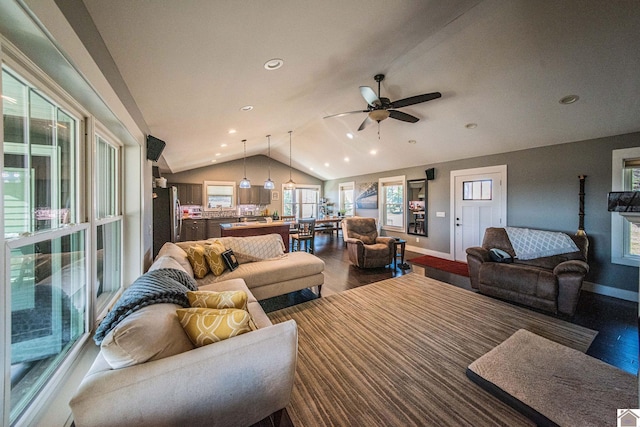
pixel 480 201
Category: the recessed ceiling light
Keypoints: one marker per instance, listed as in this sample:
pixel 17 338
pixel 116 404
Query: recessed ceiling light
pixel 346 159
pixel 213 161
pixel 350 135
pixel 218 154
pixel 373 152
pixel 569 99
pixel 471 125
pixel 273 64
pixel 326 165
pixel 223 145
pixel 232 131
pixel 412 141
pixel 310 169
pixel 246 108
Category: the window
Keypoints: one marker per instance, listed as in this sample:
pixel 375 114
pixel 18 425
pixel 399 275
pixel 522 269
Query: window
pixel 625 236
pixel 219 194
pixel 108 280
pixel 300 201
pixel 391 201
pixel 47 262
pixel 477 190
pixel 64 250
pixel 346 198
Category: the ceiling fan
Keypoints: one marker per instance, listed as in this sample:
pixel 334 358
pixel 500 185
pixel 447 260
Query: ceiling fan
pixel 380 108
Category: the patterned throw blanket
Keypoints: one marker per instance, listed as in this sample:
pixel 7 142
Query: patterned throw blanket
pixel 165 285
pixel 531 244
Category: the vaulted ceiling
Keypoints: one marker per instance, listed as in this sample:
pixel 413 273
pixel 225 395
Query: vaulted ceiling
pixel 502 68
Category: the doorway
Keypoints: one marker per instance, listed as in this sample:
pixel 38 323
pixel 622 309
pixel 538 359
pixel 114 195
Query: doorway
pixel 479 201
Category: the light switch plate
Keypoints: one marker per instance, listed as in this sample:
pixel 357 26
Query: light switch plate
pixel 440 214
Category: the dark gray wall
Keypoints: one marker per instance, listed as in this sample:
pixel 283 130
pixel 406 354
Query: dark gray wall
pixel 542 192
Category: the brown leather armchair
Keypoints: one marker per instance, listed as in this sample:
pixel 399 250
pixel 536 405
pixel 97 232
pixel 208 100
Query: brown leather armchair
pixel 366 249
pixel 550 283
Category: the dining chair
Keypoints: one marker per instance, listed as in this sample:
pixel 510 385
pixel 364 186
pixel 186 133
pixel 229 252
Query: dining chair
pixel 304 234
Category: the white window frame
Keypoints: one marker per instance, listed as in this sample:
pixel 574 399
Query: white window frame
pixel 100 304
pixel 52 93
pixel 205 193
pixel 85 222
pixel 343 187
pixel 382 182
pixel 619 246
pixel 301 187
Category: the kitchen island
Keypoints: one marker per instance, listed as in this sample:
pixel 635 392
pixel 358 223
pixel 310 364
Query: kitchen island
pixel 243 229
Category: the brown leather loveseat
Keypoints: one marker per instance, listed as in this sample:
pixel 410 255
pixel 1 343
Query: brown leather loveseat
pixel 550 283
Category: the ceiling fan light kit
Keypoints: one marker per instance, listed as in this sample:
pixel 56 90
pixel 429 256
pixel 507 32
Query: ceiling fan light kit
pixel 380 108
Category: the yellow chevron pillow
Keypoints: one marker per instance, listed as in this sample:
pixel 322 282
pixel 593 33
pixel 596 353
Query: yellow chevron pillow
pixel 206 326
pixel 212 299
pixel 212 253
pixel 195 255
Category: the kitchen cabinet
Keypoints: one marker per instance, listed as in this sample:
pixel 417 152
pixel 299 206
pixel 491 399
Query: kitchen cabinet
pixel 189 194
pixel 256 195
pixel 193 229
pixel 213 226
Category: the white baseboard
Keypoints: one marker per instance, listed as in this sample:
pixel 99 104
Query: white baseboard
pixel 610 291
pixel 430 252
pixel 587 286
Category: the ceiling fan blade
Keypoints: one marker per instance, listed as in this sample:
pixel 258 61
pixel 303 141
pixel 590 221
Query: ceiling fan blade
pixel 365 123
pixel 415 100
pixel 370 96
pixel 344 114
pixel 399 115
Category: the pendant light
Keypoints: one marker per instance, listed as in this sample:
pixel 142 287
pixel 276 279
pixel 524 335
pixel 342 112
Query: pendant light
pixel 245 183
pixel 268 184
pixel 290 183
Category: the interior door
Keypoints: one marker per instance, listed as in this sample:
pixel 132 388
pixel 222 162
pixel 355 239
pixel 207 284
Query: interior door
pixel 480 202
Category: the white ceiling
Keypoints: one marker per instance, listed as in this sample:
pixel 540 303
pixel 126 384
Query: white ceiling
pixel 504 65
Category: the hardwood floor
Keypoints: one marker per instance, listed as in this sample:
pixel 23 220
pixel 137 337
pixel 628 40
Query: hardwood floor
pixel 615 320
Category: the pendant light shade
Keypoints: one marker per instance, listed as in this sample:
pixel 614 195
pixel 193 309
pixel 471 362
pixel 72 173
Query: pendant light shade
pixel 290 183
pixel 245 183
pixel 268 184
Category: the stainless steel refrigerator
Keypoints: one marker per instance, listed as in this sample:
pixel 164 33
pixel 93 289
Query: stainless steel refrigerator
pixel 167 217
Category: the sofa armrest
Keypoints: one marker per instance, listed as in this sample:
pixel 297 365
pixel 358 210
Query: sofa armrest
pixel 238 381
pixel 570 276
pixel 479 252
pixel 571 266
pixel 386 240
pixel 476 256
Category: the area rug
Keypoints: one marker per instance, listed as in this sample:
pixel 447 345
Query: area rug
pixel 395 352
pixel 455 267
pixel 527 372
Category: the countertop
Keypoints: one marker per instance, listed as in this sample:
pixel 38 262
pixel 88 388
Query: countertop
pixel 252 224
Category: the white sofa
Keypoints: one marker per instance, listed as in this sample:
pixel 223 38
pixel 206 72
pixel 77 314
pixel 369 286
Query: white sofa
pixel 148 373
pixel 290 272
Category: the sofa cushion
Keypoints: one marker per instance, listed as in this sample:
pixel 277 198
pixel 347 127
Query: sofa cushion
pixel 176 252
pixel 255 248
pixel 254 308
pixel 532 281
pixel 166 262
pixel 213 255
pixel 208 325
pixel 151 333
pixel 195 255
pixel 213 299
pixel 292 265
pixel 230 259
pixel 532 244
